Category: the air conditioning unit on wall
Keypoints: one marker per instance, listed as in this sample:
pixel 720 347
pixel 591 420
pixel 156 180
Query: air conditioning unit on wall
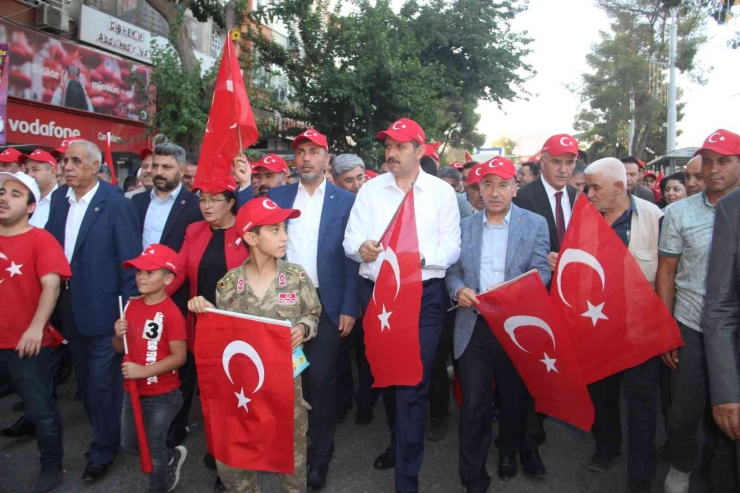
pixel 52 16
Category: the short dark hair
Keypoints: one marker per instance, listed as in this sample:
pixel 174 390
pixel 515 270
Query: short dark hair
pixel 580 167
pixel 229 195
pixel 130 181
pixel 534 166
pixel 450 173
pixel 192 159
pixel 173 150
pixel 630 160
pixel 469 164
pixel 679 176
pixel 428 165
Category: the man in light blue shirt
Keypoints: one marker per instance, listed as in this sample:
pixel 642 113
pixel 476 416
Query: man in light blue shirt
pixel 158 212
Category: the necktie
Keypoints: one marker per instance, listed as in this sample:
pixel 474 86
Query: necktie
pixel 559 217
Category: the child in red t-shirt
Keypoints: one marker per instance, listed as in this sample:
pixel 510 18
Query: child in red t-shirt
pixel 156 349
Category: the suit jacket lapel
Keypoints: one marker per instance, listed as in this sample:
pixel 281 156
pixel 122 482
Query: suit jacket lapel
pixel 63 203
pixel 476 237
pixel 177 208
pixel 543 205
pixel 94 209
pixel 515 233
pixel 572 192
pixel 327 209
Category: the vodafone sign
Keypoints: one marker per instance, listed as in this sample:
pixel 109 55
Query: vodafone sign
pixel 37 125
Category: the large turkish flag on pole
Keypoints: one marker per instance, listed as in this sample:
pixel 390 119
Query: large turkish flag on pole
pixel 231 126
pixel 245 373
pixel 615 317
pixel 391 321
pixel 536 341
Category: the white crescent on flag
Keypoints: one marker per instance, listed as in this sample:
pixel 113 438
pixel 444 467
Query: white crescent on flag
pixel 574 255
pixel 513 323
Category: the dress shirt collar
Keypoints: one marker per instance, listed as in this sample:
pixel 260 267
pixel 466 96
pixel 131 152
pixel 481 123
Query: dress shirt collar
pixel 550 190
pixel 173 194
pixel 422 181
pixel 633 204
pixel 321 188
pixel 507 219
pixel 47 197
pixel 85 198
pixel 706 200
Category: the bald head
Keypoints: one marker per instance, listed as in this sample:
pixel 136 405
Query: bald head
pixel 694 178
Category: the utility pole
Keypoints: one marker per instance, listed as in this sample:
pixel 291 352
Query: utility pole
pixel 672 116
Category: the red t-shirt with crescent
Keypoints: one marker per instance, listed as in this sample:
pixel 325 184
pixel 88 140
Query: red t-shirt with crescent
pixel 150 330
pixel 24 259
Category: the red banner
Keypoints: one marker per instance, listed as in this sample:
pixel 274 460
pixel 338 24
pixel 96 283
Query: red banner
pixel 55 71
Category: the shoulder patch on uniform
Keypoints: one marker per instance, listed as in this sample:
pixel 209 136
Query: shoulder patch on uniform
pixel 226 280
pixel 296 271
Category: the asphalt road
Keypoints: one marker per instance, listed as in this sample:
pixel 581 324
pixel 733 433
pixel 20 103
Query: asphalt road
pixel 565 455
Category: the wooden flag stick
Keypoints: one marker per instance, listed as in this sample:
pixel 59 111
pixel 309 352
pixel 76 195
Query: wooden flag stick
pixel 120 309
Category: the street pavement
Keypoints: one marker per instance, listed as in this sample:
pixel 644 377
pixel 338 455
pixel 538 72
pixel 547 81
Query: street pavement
pixel 565 454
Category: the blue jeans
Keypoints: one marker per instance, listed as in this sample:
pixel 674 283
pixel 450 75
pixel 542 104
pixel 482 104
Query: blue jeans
pixel 159 411
pixel 32 379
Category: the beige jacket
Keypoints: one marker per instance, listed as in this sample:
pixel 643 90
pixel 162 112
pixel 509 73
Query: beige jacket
pixel 644 237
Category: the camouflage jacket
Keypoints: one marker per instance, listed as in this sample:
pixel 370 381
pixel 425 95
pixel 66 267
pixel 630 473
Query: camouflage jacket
pixel 291 296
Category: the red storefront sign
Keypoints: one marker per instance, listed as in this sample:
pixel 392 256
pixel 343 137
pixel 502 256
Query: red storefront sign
pixel 40 125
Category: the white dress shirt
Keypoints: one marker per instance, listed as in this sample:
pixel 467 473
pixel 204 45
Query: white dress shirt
pixel 303 233
pixel 493 253
pixel 156 216
pixel 437 222
pixel 564 201
pixel 77 210
pixel 41 214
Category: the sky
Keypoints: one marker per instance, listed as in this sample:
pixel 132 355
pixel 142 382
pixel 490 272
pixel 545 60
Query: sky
pixel 562 39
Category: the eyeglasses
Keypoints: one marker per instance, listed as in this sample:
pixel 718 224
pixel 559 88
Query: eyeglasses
pixel 557 162
pixel 501 187
pixel 209 201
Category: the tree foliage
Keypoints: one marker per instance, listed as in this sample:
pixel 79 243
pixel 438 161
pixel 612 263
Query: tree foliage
pixel 506 143
pixel 359 67
pixel 620 70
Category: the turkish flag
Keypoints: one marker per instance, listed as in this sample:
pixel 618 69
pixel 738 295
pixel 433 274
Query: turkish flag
pixel 615 317
pixel 468 157
pixel 145 457
pixel 245 374
pixel 231 126
pixel 109 161
pixel 391 321
pixel 534 337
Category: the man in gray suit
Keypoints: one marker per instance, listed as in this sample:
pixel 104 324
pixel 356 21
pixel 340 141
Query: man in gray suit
pixel 499 243
pixel 721 332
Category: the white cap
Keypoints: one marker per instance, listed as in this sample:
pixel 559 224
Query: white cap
pixel 20 176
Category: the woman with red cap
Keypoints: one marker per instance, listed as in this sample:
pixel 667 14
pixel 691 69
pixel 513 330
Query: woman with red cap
pixel 211 248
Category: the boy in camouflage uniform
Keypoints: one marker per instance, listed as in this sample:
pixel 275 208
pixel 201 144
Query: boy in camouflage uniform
pixel 266 286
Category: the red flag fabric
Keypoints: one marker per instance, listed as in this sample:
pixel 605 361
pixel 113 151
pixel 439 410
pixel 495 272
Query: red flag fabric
pixel 245 374
pixel 109 161
pixel 145 457
pixel 614 315
pixel 231 126
pixel 538 344
pixel 391 321
pixel 468 157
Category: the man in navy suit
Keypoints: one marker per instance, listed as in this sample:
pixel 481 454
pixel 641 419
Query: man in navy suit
pixel 499 243
pixel 99 230
pixel 165 213
pixel 315 242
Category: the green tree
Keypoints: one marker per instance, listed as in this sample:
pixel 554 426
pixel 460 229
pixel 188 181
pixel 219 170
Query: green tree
pixel 361 66
pixel 507 144
pixel 620 71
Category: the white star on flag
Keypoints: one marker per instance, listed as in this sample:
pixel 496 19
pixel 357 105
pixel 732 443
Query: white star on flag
pixel 14 269
pixel 721 138
pixel 384 319
pixel 243 400
pixel 595 313
pixel 549 363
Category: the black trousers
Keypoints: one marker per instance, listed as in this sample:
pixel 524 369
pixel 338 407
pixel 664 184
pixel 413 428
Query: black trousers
pixel 439 387
pixel 483 360
pixel 364 396
pixel 725 469
pixel 640 387
pixel 188 380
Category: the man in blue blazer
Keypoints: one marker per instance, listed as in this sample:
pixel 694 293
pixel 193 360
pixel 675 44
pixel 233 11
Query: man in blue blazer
pixel 99 230
pixel 499 243
pixel 315 242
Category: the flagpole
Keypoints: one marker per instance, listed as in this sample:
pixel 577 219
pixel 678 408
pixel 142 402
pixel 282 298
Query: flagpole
pixel 120 309
pixel 238 127
pixel 395 214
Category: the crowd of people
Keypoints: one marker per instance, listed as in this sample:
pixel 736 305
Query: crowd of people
pixel 72 246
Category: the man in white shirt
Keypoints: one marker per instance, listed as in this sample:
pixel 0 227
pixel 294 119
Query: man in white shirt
pixel 42 167
pixel 315 243
pixel 438 231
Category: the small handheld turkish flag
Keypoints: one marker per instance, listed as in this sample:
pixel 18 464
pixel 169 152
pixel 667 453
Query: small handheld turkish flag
pixel 391 320
pixel 231 126
pixel 468 157
pixel 109 161
pixel 616 319
pixel 245 373
pixel 535 339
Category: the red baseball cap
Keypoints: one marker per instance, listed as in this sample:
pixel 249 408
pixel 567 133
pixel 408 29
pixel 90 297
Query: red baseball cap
pixel 457 165
pixel 38 155
pixel 498 166
pixel 722 142
pixel 59 151
pixel 369 174
pixel 650 173
pixel 561 144
pixel 475 174
pixel 218 184
pixel 312 135
pixel 10 155
pixel 431 150
pixel 640 163
pixel 145 152
pixel 272 162
pixel 261 211
pixel 154 257
pixel 404 130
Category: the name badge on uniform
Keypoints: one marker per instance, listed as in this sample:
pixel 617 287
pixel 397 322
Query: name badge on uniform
pixel 240 285
pixel 152 330
pixel 281 280
pixel 287 298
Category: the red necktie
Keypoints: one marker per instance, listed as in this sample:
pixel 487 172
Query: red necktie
pixel 559 217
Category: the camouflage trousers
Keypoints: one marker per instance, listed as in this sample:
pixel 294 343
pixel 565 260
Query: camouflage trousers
pixel 246 481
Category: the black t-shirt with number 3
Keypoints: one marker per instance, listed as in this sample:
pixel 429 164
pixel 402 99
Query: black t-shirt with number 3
pixel 150 330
